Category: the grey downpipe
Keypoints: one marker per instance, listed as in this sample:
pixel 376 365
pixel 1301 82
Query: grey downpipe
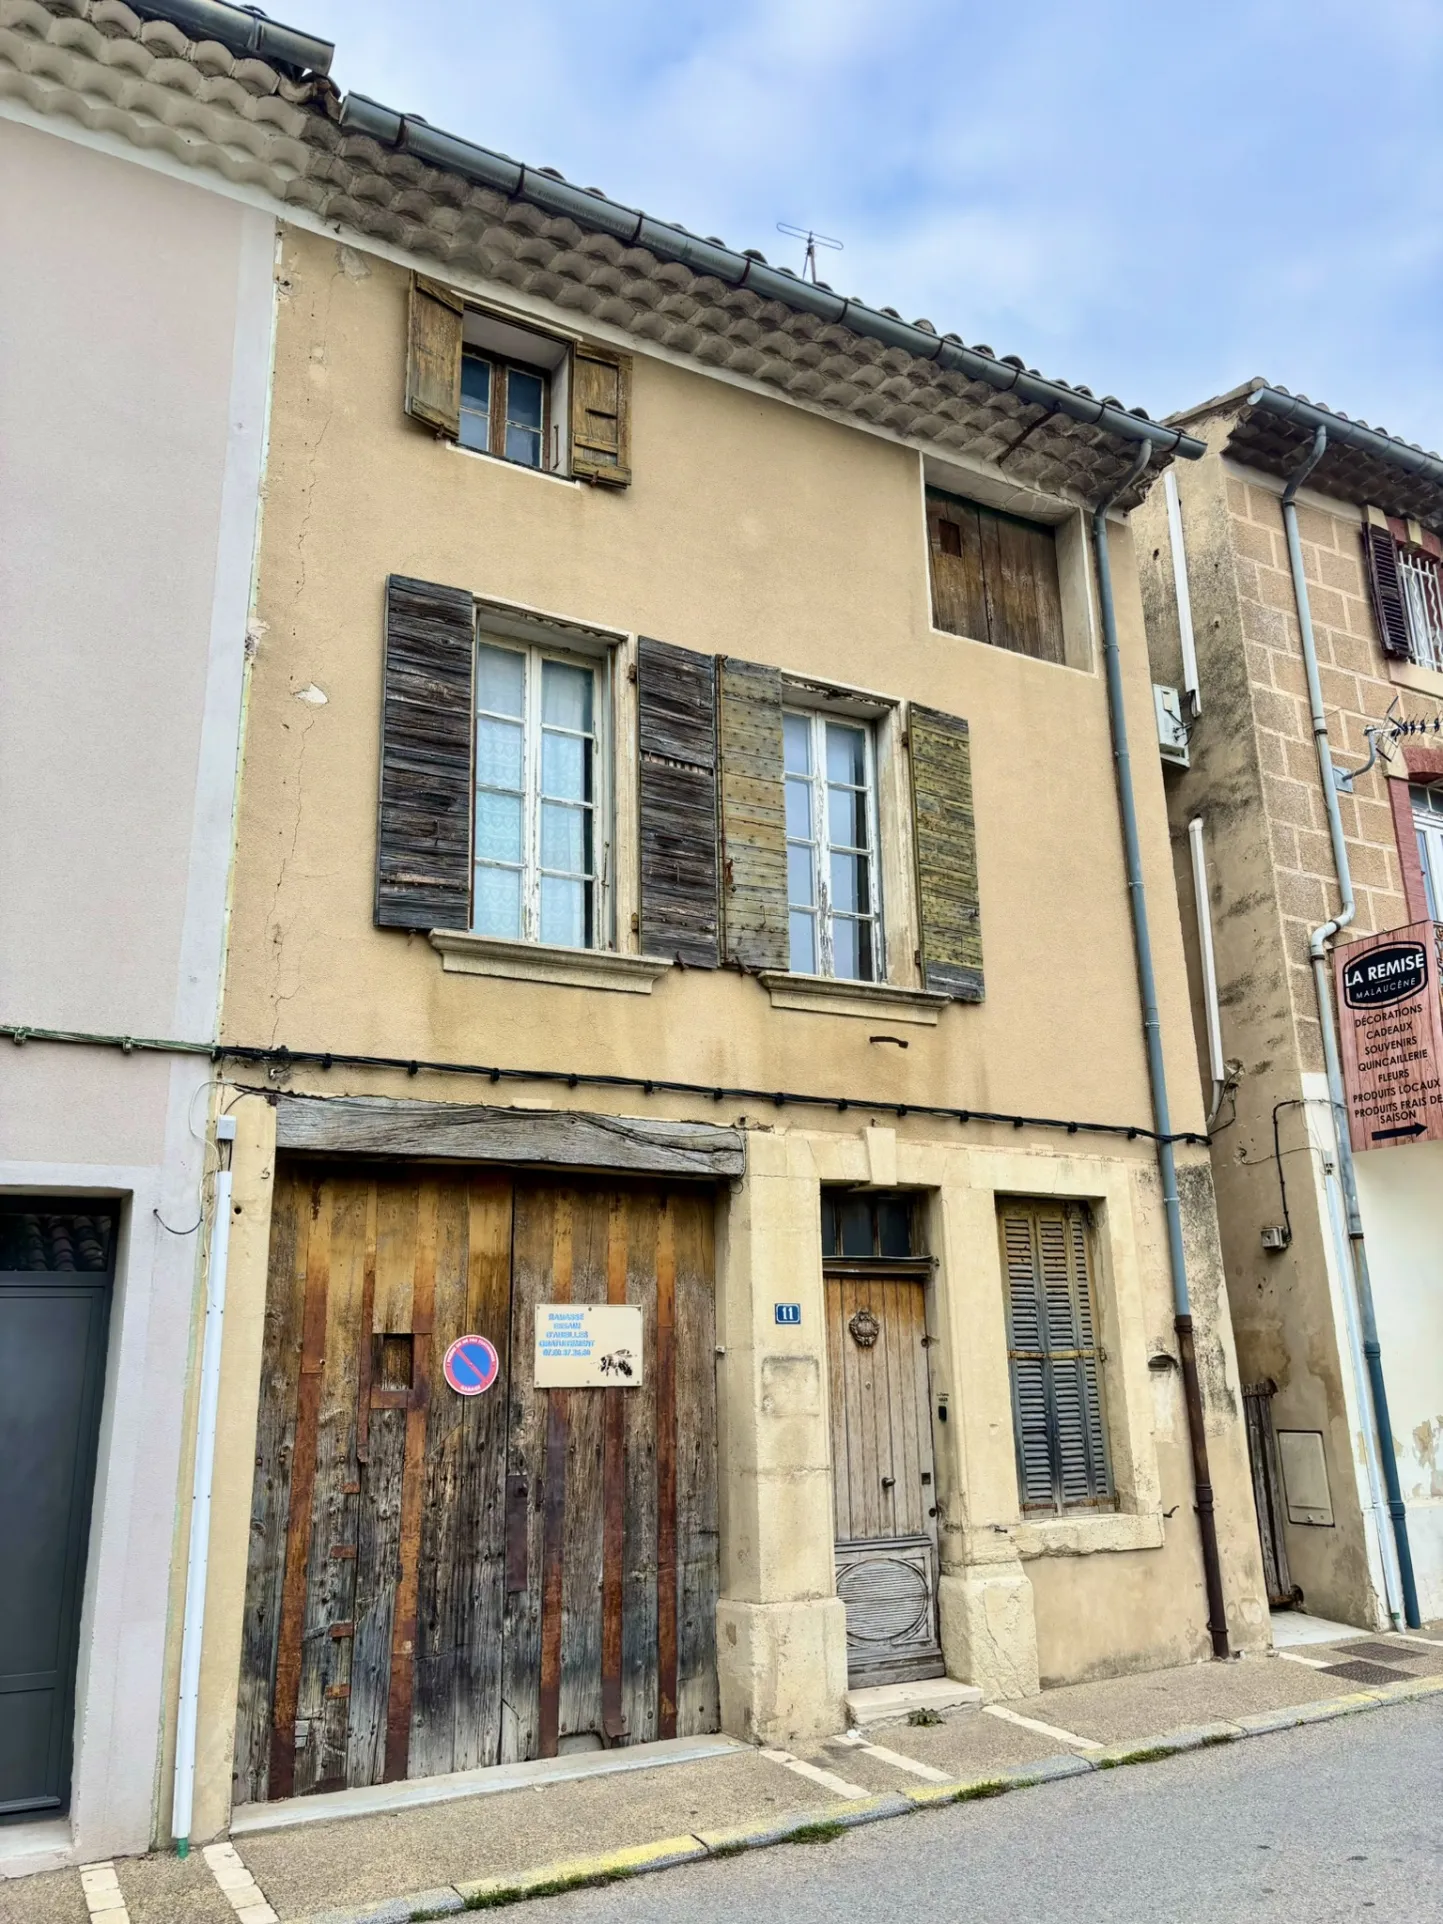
pixel 1156 1072
pixel 1318 951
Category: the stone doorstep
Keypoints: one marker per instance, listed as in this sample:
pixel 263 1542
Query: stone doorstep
pixel 893 1703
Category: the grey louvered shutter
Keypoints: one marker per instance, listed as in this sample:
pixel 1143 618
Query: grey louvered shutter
pixel 423 838
pixel 753 815
pixel 1055 1358
pixel 1028 1358
pixel 1079 1444
pixel 1385 579
pixel 676 739
pixel 945 837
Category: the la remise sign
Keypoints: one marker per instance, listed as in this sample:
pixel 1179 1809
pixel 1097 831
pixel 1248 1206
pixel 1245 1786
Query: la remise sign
pixel 1391 1017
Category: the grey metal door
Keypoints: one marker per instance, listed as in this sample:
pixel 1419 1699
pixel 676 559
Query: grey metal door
pixel 55 1272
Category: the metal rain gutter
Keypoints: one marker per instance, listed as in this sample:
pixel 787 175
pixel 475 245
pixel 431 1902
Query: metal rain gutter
pixel 632 228
pixel 1157 1071
pixel 1352 434
pixel 244 32
pixel 1323 426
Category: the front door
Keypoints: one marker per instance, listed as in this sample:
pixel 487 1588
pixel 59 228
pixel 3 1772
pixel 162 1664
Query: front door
pixel 55 1273
pixel 884 1489
pixel 439 1582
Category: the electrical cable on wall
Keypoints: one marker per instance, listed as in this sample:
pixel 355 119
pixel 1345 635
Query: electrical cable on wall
pixel 278 1060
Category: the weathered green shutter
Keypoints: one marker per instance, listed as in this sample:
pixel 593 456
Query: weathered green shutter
pixel 1055 1358
pixel 676 738
pixel 753 814
pixel 423 839
pixel 433 355
pixel 945 837
pixel 1385 579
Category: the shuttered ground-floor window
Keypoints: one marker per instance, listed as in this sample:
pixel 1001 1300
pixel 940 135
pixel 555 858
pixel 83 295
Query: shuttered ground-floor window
pixel 1055 1357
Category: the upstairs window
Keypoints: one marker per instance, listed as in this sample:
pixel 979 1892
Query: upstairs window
pixel 536 837
pixel 503 408
pixel 1405 573
pixel 994 577
pixel 497 387
pixel 1428 825
pixel 834 924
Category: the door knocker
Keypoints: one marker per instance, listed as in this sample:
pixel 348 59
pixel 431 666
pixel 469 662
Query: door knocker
pixel 865 1328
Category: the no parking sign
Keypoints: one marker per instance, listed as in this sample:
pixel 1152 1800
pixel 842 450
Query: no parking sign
pixel 471 1365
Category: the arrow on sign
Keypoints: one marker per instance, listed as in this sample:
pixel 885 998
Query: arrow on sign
pixel 1392 1135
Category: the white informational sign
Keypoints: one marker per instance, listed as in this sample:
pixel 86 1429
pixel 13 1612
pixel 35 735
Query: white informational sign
pixel 588 1346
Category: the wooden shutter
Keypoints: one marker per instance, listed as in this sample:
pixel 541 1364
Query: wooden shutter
pixel 433 356
pixel 1381 553
pixel 753 815
pixel 676 737
pixel 994 578
pixel 945 837
pixel 601 415
pixel 423 841
pixel 1055 1358
pixel 959 587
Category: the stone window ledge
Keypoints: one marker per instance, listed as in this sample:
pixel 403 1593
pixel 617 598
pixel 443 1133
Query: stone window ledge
pixel 871 1001
pixel 1413 675
pixel 1080 1536
pixel 465 954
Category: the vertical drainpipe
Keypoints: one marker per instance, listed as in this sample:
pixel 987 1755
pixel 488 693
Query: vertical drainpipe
pixel 1318 951
pixel 1156 1073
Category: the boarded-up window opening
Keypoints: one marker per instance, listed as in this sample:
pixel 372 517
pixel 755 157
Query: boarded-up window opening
pixel 1055 1355
pixel 994 577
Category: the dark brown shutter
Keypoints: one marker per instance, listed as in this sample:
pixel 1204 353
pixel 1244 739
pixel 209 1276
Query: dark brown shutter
pixel 423 841
pixel 601 415
pixel 1381 553
pixel 433 356
pixel 945 837
pixel 676 736
pixel 753 815
pixel 994 577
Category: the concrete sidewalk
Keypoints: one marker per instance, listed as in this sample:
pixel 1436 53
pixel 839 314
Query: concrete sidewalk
pixel 478 1851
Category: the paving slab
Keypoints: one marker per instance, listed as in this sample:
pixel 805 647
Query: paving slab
pixel 165 1889
pixel 1157 1701
pixel 965 1745
pixel 322 1867
pixel 55 1897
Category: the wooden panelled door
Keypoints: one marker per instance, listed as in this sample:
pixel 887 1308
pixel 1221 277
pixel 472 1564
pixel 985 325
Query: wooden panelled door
pixel 436 1582
pixel 883 1481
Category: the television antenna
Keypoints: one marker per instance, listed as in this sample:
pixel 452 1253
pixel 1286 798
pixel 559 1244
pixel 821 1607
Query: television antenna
pixel 814 241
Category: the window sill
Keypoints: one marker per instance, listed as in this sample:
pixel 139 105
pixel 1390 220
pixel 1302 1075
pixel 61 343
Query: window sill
pixel 1081 1536
pixel 464 954
pixel 516 467
pixel 1411 674
pixel 823 995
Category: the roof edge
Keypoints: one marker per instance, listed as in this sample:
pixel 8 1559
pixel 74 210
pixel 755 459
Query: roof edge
pixel 410 134
pixel 243 30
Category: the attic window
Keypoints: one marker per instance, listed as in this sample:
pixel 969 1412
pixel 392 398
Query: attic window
pixel 994 577
pixel 497 387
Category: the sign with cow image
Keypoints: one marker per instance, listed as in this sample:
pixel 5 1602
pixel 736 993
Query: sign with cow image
pixel 588 1346
pixel 1391 1019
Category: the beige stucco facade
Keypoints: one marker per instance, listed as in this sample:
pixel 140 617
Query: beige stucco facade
pixel 1254 779
pixel 766 531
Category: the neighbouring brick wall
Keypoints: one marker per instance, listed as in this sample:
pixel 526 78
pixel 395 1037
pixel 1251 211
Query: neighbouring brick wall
pixel 1357 689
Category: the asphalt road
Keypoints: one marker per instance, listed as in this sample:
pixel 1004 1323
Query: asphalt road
pixel 1339 1821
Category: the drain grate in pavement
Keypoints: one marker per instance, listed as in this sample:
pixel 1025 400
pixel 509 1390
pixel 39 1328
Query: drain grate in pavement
pixel 1365 1673
pixel 1387 1653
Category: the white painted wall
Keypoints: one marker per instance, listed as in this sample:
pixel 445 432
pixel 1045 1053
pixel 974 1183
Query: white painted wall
pixel 135 344
pixel 1400 1195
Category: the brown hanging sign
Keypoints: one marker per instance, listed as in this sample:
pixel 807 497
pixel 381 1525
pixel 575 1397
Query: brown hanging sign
pixel 1391 1017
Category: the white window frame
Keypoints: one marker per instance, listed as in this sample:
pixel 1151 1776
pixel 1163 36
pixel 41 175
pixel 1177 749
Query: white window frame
pixel 533 655
pixel 1428 826
pixel 817 720
pixel 1421 577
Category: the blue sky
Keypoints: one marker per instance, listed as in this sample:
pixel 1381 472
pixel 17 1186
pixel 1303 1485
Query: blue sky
pixel 1158 201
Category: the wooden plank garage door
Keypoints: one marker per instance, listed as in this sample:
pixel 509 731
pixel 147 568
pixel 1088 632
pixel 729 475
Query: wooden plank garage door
pixel 438 1582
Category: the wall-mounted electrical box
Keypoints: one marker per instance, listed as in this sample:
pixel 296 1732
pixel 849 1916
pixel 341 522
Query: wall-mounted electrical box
pixel 1171 728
